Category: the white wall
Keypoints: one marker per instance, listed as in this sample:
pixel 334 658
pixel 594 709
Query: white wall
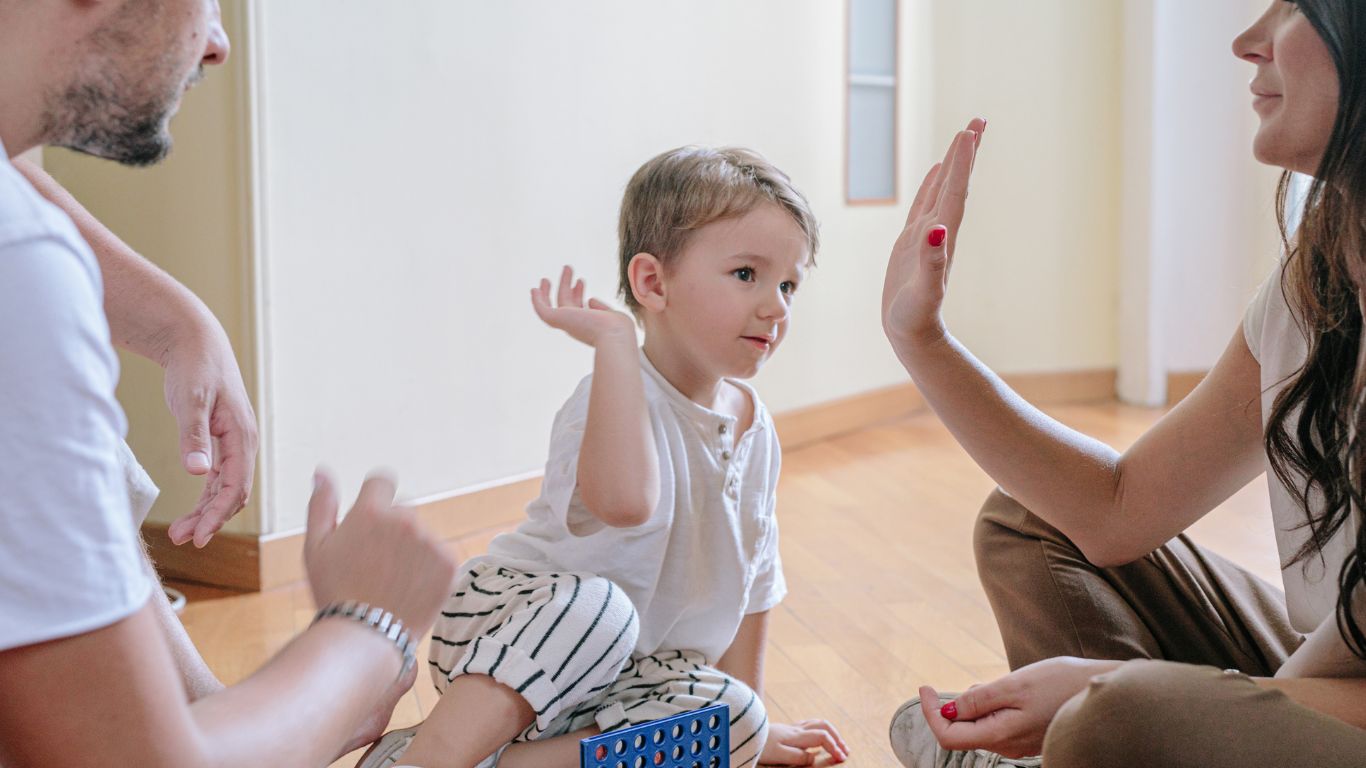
pixel 424 166
pixel 1200 230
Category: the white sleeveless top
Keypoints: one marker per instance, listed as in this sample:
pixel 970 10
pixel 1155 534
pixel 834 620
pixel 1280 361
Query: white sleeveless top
pixel 1311 586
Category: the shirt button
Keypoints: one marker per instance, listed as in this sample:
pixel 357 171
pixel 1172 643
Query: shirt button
pixel 723 429
pixel 725 455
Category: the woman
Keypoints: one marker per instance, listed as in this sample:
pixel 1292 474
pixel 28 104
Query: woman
pixel 1083 560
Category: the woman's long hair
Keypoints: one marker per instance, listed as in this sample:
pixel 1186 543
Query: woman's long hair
pixel 1314 436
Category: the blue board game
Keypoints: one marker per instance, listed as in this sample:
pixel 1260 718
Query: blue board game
pixel 699 739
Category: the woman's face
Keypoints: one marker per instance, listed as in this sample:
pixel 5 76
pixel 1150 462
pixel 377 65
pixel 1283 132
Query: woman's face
pixel 1295 90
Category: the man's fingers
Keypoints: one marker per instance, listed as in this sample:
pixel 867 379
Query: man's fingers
pixel 377 492
pixel 192 414
pixel 182 530
pixel 322 510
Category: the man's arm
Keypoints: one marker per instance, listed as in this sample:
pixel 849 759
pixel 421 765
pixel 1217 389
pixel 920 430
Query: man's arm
pixel 152 315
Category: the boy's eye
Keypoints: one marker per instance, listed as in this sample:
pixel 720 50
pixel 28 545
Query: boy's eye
pixel 746 274
pixel 788 287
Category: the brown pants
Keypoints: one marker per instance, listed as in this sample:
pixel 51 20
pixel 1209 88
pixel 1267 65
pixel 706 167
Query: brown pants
pixel 1180 604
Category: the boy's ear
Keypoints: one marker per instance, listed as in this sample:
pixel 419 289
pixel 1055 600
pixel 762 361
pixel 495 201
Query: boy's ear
pixel 646 274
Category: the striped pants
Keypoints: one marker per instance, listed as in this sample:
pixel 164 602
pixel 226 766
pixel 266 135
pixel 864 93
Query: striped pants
pixel 564 641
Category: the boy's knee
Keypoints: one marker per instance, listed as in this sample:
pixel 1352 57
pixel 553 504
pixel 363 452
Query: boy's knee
pixel 748 722
pixel 599 602
pixel 1128 712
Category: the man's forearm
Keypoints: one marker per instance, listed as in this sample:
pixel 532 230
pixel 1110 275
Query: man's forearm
pixel 147 309
pixel 195 675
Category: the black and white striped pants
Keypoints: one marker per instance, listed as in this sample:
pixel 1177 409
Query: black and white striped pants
pixel 564 641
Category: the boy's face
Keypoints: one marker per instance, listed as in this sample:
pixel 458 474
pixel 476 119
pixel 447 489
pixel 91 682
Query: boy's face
pixel 729 293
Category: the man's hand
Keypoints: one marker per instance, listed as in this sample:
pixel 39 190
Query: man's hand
pixel 218 437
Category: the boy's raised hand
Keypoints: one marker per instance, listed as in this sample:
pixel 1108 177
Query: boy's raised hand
pixel 589 324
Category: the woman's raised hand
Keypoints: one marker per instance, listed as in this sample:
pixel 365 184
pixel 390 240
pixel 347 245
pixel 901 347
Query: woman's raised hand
pixel 589 323
pixel 918 270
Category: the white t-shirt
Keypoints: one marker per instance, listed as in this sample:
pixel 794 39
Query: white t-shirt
pixel 69 558
pixel 706 558
pixel 1278 344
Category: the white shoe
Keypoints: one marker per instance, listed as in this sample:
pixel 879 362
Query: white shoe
pixel 386 752
pixel 915 745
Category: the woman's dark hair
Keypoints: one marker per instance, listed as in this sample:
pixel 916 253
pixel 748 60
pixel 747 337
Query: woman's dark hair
pixel 1314 436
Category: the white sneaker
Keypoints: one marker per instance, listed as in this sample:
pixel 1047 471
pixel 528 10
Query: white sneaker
pixel 915 745
pixel 386 752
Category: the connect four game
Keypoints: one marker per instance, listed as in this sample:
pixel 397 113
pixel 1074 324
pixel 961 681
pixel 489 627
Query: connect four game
pixel 699 739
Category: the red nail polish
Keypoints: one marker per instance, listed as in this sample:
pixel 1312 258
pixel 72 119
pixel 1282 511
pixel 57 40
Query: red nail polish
pixel 949 711
pixel 937 236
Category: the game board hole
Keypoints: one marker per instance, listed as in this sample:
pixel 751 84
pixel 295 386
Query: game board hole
pixel 601 752
pixel 713 742
pixel 713 722
pixel 659 736
pixel 695 726
pixel 678 730
pixel 639 740
pixel 659 758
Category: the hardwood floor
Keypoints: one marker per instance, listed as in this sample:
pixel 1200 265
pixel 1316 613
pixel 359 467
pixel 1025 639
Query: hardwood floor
pixel 883 592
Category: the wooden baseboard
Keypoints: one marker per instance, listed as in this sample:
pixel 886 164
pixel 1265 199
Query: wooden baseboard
pixel 1181 384
pixel 259 563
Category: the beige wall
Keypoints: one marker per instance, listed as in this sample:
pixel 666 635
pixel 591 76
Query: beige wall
pixel 189 215
pixel 366 197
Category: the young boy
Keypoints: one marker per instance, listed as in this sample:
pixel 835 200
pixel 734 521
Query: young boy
pixel 640 585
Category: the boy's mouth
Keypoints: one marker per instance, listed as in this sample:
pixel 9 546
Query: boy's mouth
pixel 760 342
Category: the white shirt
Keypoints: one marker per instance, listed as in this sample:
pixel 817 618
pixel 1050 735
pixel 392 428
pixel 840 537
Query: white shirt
pixel 1278 344
pixel 69 558
pixel 706 558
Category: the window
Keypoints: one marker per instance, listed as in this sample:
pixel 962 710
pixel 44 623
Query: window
pixel 870 102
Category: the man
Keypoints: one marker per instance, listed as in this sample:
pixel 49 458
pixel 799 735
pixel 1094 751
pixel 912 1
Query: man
pixel 86 677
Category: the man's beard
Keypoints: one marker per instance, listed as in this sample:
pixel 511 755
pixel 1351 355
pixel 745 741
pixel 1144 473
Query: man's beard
pixel 96 117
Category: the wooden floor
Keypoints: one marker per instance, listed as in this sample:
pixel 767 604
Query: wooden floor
pixel 883 593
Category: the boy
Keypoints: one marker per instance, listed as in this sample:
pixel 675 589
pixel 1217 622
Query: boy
pixel 640 585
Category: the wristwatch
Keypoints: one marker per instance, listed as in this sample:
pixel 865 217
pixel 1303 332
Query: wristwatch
pixel 381 621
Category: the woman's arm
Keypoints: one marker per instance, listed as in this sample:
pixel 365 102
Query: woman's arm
pixel 618 474
pixel 1115 507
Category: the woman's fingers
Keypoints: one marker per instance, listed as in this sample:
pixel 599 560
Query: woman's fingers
pixel 923 193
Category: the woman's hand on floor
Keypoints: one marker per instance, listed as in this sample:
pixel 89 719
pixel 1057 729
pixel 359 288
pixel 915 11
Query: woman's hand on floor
pixel 788 744
pixel 918 270
pixel 1010 715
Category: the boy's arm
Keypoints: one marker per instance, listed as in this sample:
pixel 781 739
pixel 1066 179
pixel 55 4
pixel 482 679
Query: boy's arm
pixel 786 744
pixel 744 659
pixel 618 474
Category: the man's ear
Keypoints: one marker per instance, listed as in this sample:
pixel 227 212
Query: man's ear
pixel 646 275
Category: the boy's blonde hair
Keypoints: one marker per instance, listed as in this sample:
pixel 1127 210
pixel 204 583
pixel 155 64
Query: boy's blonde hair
pixel 684 189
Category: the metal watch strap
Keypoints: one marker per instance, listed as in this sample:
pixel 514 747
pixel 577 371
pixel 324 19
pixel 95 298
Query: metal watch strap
pixel 381 621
